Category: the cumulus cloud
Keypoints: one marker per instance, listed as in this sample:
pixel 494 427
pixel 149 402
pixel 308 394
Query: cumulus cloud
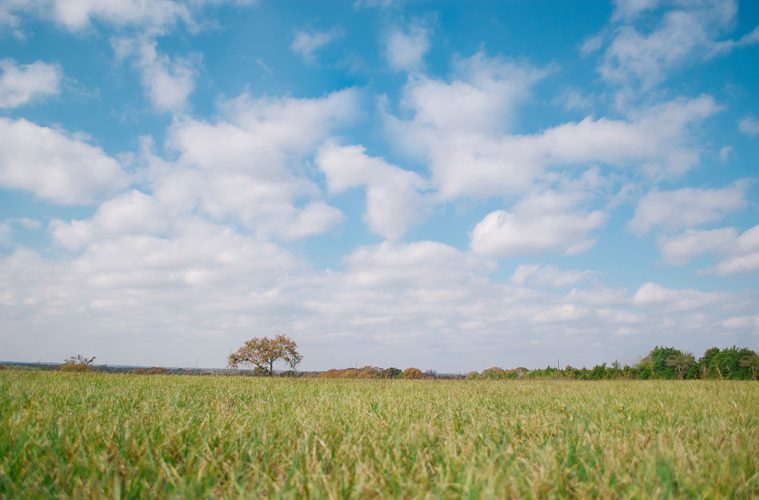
pixel 167 82
pixel 749 126
pixel 306 43
pixel 6 233
pixel 55 166
pixel 202 288
pixel 737 253
pixel 741 255
pixel 542 223
pixel 654 294
pixel 133 213
pixel 77 15
pixel 643 49
pixel 404 49
pixel 23 83
pixel 628 10
pixel 250 166
pixel 547 276
pixel 687 207
pixel 460 129
pixel 393 196
pixel 682 248
pixel 482 95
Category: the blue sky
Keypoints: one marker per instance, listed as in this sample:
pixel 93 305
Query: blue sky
pixel 448 185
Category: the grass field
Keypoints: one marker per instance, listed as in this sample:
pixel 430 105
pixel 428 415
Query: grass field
pixel 94 435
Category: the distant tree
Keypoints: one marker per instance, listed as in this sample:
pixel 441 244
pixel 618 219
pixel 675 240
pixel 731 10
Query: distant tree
pixel 681 363
pixel 751 361
pixel 708 364
pixel 656 363
pixel 727 363
pixel 262 352
pixel 77 363
pixel 412 373
pixel 392 372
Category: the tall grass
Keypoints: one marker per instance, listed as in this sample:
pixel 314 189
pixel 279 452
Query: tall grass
pixel 93 435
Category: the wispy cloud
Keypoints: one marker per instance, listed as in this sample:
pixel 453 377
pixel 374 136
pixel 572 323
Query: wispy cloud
pixel 307 43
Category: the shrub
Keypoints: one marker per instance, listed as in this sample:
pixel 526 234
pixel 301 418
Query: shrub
pixel 391 372
pixel 156 370
pixel 412 373
pixel 77 363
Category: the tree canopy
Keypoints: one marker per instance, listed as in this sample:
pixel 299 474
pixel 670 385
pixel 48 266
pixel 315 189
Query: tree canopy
pixel 262 352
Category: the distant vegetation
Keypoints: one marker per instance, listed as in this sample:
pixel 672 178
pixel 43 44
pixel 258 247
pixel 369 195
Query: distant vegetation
pixel 262 352
pixel 668 363
pixel 77 363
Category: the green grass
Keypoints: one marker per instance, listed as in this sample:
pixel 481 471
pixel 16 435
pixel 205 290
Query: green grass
pixel 94 435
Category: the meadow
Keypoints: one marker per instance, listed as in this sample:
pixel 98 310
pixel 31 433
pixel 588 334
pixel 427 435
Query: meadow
pixel 95 434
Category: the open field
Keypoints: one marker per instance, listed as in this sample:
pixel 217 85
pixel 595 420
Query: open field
pixel 95 434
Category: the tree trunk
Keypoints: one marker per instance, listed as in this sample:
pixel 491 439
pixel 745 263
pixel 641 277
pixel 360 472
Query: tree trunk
pixel 271 367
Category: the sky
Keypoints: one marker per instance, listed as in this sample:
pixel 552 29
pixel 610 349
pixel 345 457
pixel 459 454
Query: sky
pixel 440 184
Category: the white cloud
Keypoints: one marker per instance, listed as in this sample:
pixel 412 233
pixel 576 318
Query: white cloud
pixel 21 84
pixel 6 233
pixel 315 218
pixel 682 248
pixel 404 50
pixel 77 15
pixel 27 223
pixel 167 83
pixel 592 44
pixel 657 295
pixel 736 253
pixel 55 166
pixel 629 9
pixel 380 4
pixel 746 40
pixel 305 43
pixel 644 49
pixel 742 322
pixel 547 222
pixel 687 207
pixel 547 276
pixel 133 213
pixel 459 128
pixel 749 126
pixel 251 166
pixel 482 95
pixel 393 199
pixel 741 255
pixel 200 290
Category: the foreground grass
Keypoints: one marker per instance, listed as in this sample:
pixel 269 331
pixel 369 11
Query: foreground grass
pixel 92 435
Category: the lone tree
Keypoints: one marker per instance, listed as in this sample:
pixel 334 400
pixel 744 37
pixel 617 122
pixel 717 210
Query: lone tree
pixel 262 352
pixel 77 363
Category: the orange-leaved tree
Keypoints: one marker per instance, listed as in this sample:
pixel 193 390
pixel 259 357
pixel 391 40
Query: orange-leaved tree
pixel 263 352
pixel 412 373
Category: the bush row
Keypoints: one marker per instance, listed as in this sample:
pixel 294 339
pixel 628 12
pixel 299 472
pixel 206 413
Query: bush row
pixel 732 363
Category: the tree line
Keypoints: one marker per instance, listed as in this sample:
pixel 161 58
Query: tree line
pixel 732 363
pixel 261 353
pixel 669 363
